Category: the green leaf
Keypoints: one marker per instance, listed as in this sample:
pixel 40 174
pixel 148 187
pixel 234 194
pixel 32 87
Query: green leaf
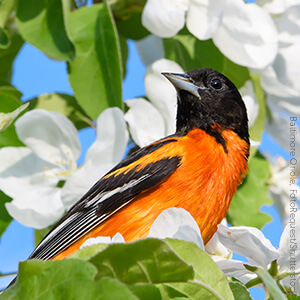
pixel 268 281
pixel 191 53
pixel 64 104
pixel 88 252
pixel 258 127
pixel 96 72
pixel 6 8
pixel 132 28
pixel 245 205
pixel 9 89
pixel 7 57
pixel 9 102
pixel 144 261
pixel 52 280
pixel 5 218
pixel 206 271
pixel 41 24
pixel 124 53
pixel 108 288
pixel 239 291
pixel 7 118
pixel 66 279
pixel 146 291
pixel 4 39
pixel 187 290
pixel 293 297
pixel 236 73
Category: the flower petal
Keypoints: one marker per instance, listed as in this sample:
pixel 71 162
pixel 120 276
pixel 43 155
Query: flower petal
pixel 189 234
pixel 80 182
pixel 233 268
pixel 204 17
pixel 107 151
pixel 280 186
pixel 278 128
pixel 281 79
pixel 287 66
pixel 50 135
pixel 150 49
pixel 273 85
pixel 38 207
pixel 248 95
pixel 145 122
pixel 289 106
pixel 161 92
pixel 112 139
pixel 289 254
pixel 215 247
pixel 288 24
pixel 164 17
pixel 249 242
pixel 118 238
pixel 274 6
pixel 247 35
pixel 176 223
pixel 19 167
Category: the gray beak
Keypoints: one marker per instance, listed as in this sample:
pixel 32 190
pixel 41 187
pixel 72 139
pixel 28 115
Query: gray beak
pixel 183 82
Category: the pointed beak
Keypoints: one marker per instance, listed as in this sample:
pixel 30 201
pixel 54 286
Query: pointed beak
pixel 183 82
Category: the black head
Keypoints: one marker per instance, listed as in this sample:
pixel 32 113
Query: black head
pixel 207 98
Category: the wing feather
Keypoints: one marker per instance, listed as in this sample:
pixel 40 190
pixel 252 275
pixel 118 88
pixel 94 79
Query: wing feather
pixel 106 197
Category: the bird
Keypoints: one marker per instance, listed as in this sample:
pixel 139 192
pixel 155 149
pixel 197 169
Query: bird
pixel 197 168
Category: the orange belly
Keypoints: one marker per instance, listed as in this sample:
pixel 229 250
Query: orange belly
pixel 203 185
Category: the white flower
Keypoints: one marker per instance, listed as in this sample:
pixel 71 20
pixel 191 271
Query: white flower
pixel 251 243
pixel 288 25
pixel 249 98
pixel 274 6
pixel 164 18
pixel 150 121
pixel 278 127
pixel 30 174
pixel 245 33
pixel 282 77
pixel 106 152
pixel 204 17
pixel 280 186
pixel 150 49
pixel 215 248
pixel 176 223
pixel 117 238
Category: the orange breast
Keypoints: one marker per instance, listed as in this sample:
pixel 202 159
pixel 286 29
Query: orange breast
pixel 203 185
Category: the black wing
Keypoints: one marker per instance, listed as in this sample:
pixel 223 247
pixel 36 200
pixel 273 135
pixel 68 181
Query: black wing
pixel 107 196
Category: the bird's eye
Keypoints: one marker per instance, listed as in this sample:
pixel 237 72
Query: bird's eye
pixel 216 83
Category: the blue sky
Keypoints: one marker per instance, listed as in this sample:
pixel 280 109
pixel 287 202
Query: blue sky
pixel 35 74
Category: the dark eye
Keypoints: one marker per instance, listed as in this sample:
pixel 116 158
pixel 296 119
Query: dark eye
pixel 216 83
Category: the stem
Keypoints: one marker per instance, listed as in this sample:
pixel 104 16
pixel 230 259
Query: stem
pixel 8 274
pixel 285 274
pixel 87 120
pixel 253 282
pixel 273 271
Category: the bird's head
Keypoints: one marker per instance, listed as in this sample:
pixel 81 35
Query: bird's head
pixel 207 99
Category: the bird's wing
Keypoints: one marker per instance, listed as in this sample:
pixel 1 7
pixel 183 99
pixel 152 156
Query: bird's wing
pixel 111 193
